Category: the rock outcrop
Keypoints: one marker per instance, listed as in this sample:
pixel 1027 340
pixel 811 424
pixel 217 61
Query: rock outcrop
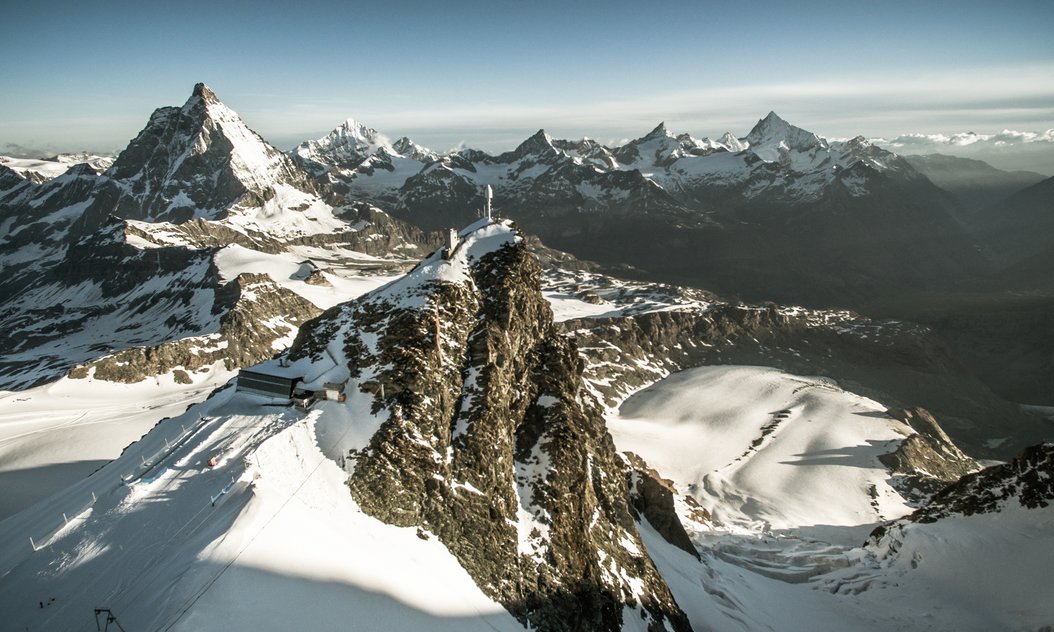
pixel 928 460
pixel 254 314
pixel 490 440
pixel 1025 483
pixel 1027 480
pixel 653 499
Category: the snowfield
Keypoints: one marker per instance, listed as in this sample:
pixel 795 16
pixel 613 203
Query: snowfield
pixel 792 512
pixel 764 450
pixel 57 434
pixel 269 538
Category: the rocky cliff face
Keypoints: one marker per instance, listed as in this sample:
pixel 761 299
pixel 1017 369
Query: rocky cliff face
pixel 1027 481
pixel 926 461
pixel 489 440
pixel 254 315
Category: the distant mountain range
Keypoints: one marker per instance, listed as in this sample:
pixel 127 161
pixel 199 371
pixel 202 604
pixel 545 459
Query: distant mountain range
pixel 472 430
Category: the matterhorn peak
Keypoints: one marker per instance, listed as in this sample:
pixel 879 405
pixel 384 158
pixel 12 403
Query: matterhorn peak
pixel 204 93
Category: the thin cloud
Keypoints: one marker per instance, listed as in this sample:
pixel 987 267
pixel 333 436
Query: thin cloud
pixel 875 106
pixel 1005 138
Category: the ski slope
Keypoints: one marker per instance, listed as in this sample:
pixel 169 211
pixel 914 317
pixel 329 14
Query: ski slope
pixel 268 538
pixel 54 435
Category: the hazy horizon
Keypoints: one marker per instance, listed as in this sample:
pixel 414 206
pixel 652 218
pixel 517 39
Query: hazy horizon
pixel 78 77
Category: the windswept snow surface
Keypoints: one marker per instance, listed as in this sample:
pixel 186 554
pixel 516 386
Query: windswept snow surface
pixel 283 268
pixel 59 433
pixel 766 450
pixel 788 466
pixel 269 538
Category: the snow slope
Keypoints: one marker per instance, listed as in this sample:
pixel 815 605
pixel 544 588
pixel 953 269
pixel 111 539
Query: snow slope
pixel 40 170
pixel 252 543
pixel 791 513
pixel 765 450
pixel 169 542
pixel 285 270
pixel 57 434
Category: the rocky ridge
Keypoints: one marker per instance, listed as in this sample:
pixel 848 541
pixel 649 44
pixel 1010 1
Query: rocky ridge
pixel 114 272
pixel 640 333
pixel 485 430
pixel 1027 480
pixel 1024 484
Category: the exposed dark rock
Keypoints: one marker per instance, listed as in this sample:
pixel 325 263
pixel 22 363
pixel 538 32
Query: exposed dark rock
pixel 926 461
pixel 1027 480
pixel 243 337
pixel 652 498
pixel 492 444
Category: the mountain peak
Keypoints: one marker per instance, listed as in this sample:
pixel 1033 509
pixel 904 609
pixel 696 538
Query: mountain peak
pixel 733 144
pixel 660 131
pixel 350 126
pixel 772 133
pixel 538 144
pixel 205 93
pixel 769 126
pixel 542 136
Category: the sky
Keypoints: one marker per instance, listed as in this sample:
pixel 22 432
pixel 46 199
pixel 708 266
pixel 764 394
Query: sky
pixel 78 76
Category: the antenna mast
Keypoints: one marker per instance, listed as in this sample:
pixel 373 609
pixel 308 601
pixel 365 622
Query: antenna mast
pixel 488 195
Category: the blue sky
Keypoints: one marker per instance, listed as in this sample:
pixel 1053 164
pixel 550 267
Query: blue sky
pixel 78 75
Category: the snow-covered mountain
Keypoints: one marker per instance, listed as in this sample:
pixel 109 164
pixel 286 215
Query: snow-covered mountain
pixel 725 214
pixel 775 159
pixel 467 479
pixel 128 272
pixel 41 170
pixel 361 162
pixel 508 437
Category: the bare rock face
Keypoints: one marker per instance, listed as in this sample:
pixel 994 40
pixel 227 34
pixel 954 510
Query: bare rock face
pixel 492 444
pixel 1027 480
pixel 243 306
pixel 929 460
pixel 653 499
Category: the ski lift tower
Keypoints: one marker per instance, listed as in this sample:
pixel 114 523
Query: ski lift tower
pixel 488 195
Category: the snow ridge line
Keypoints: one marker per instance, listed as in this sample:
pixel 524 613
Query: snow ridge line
pixel 208 585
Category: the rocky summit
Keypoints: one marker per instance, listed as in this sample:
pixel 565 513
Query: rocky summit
pixel 489 440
